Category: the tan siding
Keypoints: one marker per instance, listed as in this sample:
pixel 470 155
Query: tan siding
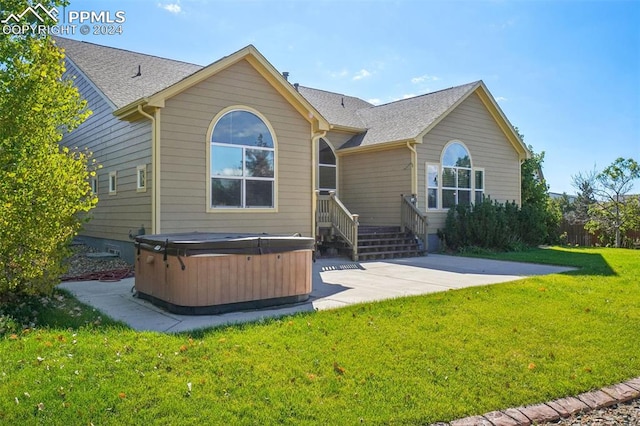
pixel 117 146
pixel 371 184
pixel 473 125
pixel 185 122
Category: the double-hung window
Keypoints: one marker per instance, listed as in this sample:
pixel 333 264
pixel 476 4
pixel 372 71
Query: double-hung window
pixel 242 162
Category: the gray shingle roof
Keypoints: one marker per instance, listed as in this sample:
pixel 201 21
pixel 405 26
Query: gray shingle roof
pixel 337 108
pixel 406 119
pixel 395 121
pixel 112 70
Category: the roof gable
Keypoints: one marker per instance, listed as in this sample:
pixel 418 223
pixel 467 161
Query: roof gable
pixel 404 120
pixel 129 79
pixel 408 118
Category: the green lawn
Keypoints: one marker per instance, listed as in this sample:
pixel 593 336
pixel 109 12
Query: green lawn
pixel 406 361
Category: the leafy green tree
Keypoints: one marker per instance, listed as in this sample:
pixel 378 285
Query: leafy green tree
pixel 539 218
pixel 585 185
pixel 616 211
pixel 43 187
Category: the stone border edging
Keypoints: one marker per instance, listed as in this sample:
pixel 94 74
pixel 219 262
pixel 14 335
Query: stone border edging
pixel 555 410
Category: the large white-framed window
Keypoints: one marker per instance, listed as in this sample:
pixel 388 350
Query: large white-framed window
pixel 327 168
pixel 242 162
pixel 454 180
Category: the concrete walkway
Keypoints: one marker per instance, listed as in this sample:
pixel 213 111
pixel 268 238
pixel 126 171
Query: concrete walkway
pixel 336 283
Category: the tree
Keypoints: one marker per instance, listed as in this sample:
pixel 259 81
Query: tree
pixel 539 218
pixel 44 188
pixel 585 184
pixel 616 211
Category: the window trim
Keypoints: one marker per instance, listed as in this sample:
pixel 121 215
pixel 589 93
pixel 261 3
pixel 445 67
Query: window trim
pixel 141 185
pixel 334 166
pixel 440 168
pixel 113 183
pixel 211 209
pixel 484 182
pixel 437 187
pixel 93 182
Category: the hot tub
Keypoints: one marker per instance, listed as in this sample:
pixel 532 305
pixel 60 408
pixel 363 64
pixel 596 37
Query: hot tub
pixel 211 273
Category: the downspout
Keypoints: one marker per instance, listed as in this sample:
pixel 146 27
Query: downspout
pixel 414 169
pixel 155 161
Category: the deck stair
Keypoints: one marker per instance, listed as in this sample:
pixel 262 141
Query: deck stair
pixel 386 242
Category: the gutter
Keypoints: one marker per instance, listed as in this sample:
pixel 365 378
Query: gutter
pixel 129 109
pixel 155 172
pixel 375 147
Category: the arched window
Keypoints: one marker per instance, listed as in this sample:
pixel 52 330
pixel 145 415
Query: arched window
pixel 327 170
pixel 456 175
pixel 454 181
pixel 242 162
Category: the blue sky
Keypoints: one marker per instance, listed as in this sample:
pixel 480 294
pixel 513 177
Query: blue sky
pixel 566 73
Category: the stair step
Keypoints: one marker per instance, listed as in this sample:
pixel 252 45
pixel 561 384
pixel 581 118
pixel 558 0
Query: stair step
pixel 378 229
pixel 383 236
pixel 397 238
pixel 388 255
pixel 385 242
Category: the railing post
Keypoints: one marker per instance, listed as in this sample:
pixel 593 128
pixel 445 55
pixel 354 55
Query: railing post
pixel 413 219
pixel 317 210
pixel 332 197
pixel 402 213
pixel 355 236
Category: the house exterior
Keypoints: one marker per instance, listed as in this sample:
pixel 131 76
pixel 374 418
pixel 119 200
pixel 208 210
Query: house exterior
pixel 234 147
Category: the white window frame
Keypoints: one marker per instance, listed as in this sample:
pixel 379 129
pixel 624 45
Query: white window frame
pixel 221 209
pixel 94 185
pixel 141 178
pixel 113 183
pixel 439 188
pixel 436 187
pixel 330 166
pixel 477 190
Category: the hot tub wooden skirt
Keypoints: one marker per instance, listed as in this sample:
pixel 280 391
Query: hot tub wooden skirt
pixel 217 283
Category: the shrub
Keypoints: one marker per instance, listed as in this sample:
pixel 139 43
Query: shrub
pixel 43 188
pixel 491 225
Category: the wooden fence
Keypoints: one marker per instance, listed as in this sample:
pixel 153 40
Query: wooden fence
pixel 577 235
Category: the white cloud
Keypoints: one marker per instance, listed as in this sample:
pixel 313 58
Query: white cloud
pixel 423 78
pixel 374 101
pixel 171 7
pixel 339 74
pixel 361 74
pixel 501 99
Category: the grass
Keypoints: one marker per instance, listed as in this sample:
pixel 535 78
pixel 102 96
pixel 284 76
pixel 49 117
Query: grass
pixel 412 360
